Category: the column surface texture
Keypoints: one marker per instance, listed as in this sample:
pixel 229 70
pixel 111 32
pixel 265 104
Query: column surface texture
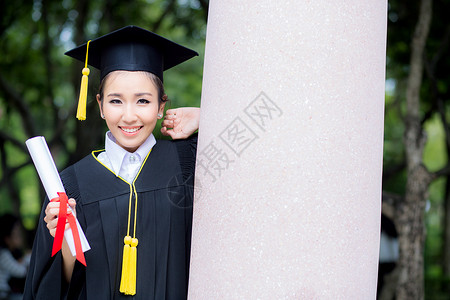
pixel 289 161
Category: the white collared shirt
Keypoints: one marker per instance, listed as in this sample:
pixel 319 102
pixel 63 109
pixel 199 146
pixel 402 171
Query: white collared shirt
pixel 122 162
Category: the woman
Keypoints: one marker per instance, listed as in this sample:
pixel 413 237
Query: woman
pixel 137 193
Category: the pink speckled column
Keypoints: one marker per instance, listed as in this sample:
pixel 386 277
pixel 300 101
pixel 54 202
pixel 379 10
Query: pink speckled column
pixel 288 180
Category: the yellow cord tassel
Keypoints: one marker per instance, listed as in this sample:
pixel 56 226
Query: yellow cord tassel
pixel 124 282
pixel 81 111
pixel 128 280
pixel 129 263
pixel 133 262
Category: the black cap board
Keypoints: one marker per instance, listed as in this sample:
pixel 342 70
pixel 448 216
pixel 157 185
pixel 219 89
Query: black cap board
pixel 132 48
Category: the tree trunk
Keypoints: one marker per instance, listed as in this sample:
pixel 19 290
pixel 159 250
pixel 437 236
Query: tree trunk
pixel 411 228
pixel 410 215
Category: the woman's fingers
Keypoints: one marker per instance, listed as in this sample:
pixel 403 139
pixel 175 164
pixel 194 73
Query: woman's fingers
pixel 171 112
pixel 164 131
pixel 72 204
pixel 167 123
pixel 52 226
pixel 169 116
pixel 52 212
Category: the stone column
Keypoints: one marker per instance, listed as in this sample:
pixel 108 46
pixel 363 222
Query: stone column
pixel 289 165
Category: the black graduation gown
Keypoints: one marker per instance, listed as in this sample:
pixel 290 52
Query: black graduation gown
pixel 164 221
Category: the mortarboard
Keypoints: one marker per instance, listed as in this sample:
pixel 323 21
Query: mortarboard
pixel 130 48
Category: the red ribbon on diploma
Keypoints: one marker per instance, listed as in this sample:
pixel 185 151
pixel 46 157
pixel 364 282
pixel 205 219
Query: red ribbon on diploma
pixel 61 226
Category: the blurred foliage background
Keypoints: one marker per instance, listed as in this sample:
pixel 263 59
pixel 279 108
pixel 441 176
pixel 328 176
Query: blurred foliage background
pixel 39 91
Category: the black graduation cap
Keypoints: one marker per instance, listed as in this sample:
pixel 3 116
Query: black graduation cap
pixel 130 48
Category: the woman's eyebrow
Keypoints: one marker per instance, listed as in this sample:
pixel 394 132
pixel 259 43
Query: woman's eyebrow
pixel 114 95
pixel 143 94
pixel 137 94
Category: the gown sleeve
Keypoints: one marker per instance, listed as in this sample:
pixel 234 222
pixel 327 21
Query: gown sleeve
pixel 45 278
pixel 187 150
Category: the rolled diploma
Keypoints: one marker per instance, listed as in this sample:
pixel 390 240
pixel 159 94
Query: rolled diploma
pixel 45 166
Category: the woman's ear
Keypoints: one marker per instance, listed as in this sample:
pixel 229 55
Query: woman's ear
pixel 100 106
pixel 161 109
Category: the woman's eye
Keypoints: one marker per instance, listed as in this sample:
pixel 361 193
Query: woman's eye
pixel 115 101
pixel 143 101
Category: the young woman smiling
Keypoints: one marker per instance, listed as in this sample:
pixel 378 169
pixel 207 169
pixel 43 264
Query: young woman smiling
pixel 136 195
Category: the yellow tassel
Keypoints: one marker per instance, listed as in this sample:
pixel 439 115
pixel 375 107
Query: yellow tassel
pixel 81 111
pixel 129 263
pixel 133 266
pixel 124 282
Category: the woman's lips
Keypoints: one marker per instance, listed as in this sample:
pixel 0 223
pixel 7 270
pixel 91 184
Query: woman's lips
pixel 130 130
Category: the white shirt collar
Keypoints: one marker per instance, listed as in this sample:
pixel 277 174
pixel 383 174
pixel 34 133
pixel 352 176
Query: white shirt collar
pixel 116 154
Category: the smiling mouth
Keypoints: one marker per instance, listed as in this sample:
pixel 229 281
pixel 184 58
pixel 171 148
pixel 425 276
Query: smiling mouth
pixel 130 130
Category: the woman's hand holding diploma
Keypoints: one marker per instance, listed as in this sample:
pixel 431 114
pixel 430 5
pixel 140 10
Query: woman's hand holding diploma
pixel 73 241
pixel 51 218
pixel 51 215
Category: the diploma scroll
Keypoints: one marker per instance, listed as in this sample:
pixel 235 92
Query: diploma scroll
pixel 45 166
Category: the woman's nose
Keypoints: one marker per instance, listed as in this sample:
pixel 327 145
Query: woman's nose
pixel 129 114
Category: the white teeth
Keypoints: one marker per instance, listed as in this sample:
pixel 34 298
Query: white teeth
pixel 131 130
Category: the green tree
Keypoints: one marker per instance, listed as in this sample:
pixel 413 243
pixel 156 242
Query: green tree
pixel 418 36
